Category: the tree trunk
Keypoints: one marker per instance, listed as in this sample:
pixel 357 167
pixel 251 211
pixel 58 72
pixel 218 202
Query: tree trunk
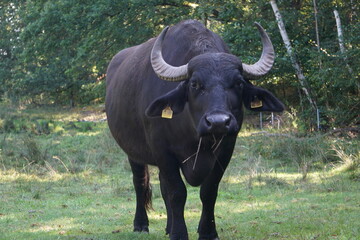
pixel 317 31
pixel 294 61
pixel 339 31
pixel 341 39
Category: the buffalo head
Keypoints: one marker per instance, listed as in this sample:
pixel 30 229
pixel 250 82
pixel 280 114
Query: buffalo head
pixel 216 86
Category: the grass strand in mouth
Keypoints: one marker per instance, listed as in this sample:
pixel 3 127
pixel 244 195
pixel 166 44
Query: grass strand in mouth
pixel 197 153
pixel 217 146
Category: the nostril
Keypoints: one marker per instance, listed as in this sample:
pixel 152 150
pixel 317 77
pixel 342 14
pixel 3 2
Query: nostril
pixel 208 121
pixel 227 121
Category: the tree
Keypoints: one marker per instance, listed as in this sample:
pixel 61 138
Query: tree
pixel 10 25
pixel 341 39
pixel 317 29
pixel 68 43
pixel 293 58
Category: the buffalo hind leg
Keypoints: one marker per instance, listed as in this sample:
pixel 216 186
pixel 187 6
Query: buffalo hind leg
pixel 143 196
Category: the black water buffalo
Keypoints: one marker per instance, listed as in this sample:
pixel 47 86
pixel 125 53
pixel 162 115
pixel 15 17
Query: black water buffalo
pixel 176 101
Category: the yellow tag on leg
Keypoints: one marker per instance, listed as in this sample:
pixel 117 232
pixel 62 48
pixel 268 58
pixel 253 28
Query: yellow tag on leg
pixel 256 103
pixel 167 113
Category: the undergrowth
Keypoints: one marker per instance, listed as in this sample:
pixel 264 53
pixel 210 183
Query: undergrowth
pixel 60 140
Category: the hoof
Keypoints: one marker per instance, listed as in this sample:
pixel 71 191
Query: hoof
pixel 179 237
pixel 209 237
pixel 141 229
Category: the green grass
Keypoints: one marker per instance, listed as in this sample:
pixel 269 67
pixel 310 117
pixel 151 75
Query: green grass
pixel 73 182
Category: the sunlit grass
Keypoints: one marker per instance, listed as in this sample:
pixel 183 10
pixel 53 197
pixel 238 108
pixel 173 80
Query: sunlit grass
pixel 88 204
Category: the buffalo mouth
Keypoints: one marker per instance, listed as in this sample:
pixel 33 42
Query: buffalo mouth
pixel 213 128
pixel 198 165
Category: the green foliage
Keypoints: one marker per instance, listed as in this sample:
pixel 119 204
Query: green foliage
pixel 66 45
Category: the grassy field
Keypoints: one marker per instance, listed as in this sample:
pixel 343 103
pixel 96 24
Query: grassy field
pixel 63 177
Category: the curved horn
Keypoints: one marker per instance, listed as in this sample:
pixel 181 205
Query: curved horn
pixel 266 61
pixel 161 68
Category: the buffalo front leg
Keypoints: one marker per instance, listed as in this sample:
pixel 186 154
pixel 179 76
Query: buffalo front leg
pixel 208 195
pixel 207 227
pixel 209 192
pixel 143 196
pixel 174 194
pixel 164 194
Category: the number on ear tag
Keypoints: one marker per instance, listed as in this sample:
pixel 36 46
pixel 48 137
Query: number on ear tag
pixel 256 103
pixel 167 113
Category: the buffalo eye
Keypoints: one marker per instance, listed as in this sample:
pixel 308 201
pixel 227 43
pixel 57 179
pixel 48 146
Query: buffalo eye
pixel 239 82
pixel 239 85
pixel 195 84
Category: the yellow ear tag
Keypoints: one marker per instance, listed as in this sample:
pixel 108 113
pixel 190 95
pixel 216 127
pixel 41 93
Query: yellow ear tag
pixel 256 103
pixel 167 113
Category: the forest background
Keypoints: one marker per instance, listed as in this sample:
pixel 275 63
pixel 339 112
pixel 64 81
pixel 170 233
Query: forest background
pixel 57 52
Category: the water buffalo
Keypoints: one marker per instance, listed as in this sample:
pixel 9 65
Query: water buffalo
pixel 176 101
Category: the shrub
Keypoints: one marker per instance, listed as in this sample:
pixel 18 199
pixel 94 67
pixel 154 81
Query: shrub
pixel 9 125
pixel 42 127
pixel 33 153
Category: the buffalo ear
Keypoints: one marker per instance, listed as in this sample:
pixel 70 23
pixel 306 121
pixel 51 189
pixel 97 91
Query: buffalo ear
pixel 175 100
pixel 260 100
